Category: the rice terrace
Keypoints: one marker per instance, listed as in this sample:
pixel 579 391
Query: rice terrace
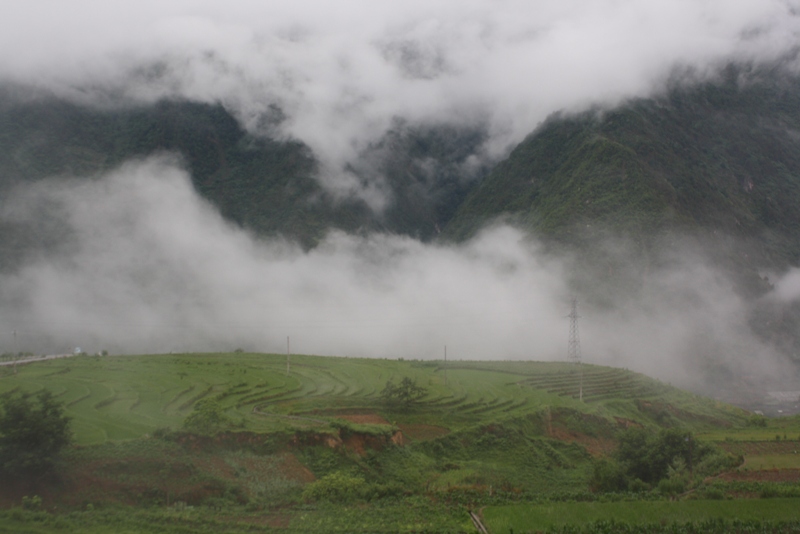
pixel 242 442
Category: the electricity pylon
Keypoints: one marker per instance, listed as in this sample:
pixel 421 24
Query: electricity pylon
pixel 574 349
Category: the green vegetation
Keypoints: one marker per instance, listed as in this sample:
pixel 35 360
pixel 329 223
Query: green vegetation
pixel 786 428
pixel 190 441
pixel 671 459
pixel 553 516
pixel 773 461
pixel 404 394
pixel 125 397
pixel 266 185
pixel 33 431
pixel 208 417
pixel 710 156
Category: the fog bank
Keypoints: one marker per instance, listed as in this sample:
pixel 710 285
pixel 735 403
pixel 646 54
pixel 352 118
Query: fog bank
pixel 145 265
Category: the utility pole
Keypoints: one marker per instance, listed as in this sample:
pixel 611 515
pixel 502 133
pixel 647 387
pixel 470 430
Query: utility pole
pixel 574 350
pixel 445 365
pixel 288 353
pixel 16 351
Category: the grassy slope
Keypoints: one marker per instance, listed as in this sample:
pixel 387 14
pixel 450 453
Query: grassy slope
pixel 494 431
pixel 517 426
pixel 123 397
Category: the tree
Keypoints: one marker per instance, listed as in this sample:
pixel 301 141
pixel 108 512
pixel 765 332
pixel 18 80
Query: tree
pixel 649 457
pixel 208 417
pixel 406 393
pixel 33 430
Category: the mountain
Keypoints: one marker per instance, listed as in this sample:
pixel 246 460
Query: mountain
pixel 715 163
pixel 268 186
pixel 718 157
pixel 263 184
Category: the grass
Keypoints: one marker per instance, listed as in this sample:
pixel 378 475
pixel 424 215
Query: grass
pixel 782 427
pixel 411 516
pixel 524 518
pixel 125 397
pixel 484 433
pixel 773 461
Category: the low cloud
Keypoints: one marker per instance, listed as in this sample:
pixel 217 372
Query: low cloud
pixel 145 265
pixel 787 286
pixel 148 266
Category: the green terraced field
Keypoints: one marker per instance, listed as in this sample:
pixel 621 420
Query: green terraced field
pixel 531 518
pixel 123 397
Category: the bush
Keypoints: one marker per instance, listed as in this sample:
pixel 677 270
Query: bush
pixel 406 393
pixel 608 476
pixel 33 430
pixel 336 487
pixel 757 421
pixel 207 417
pixel 672 486
pixel 649 456
pixel 32 503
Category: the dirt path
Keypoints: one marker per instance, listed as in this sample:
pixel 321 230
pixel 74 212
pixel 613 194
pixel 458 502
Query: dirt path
pixel 23 361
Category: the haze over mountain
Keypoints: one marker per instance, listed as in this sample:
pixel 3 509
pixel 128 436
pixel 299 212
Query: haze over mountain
pixel 385 180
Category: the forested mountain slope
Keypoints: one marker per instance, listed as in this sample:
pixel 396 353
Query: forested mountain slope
pixel 719 156
pixel 269 186
pixel 722 156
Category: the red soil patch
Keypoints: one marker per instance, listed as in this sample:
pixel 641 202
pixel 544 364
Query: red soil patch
pixel 269 519
pixel 364 418
pixel 768 475
pixel 627 423
pixel 110 481
pixel 756 448
pixel 278 520
pixel 215 466
pixel 292 469
pixel 423 432
pixel 597 447
pixel 312 439
pixel 399 439
pixel 359 443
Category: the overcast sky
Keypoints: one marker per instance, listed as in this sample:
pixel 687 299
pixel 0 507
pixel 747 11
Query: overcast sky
pixel 342 70
pixel 154 268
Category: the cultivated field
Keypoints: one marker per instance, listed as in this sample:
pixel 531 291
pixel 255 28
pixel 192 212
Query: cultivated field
pixel 124 397
pixel 534 518
pixel 316 448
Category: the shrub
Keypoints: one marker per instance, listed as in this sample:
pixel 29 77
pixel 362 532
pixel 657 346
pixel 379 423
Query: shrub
pixel 336 487
pixel 672 485
pixel 608 476
pixel 33 430
pixel 32 503
pixel 208 417
pixel 757 421
pixel 406 393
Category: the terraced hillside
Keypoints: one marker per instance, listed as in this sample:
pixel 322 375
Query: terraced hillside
pixel 314 446
pixel 124 397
